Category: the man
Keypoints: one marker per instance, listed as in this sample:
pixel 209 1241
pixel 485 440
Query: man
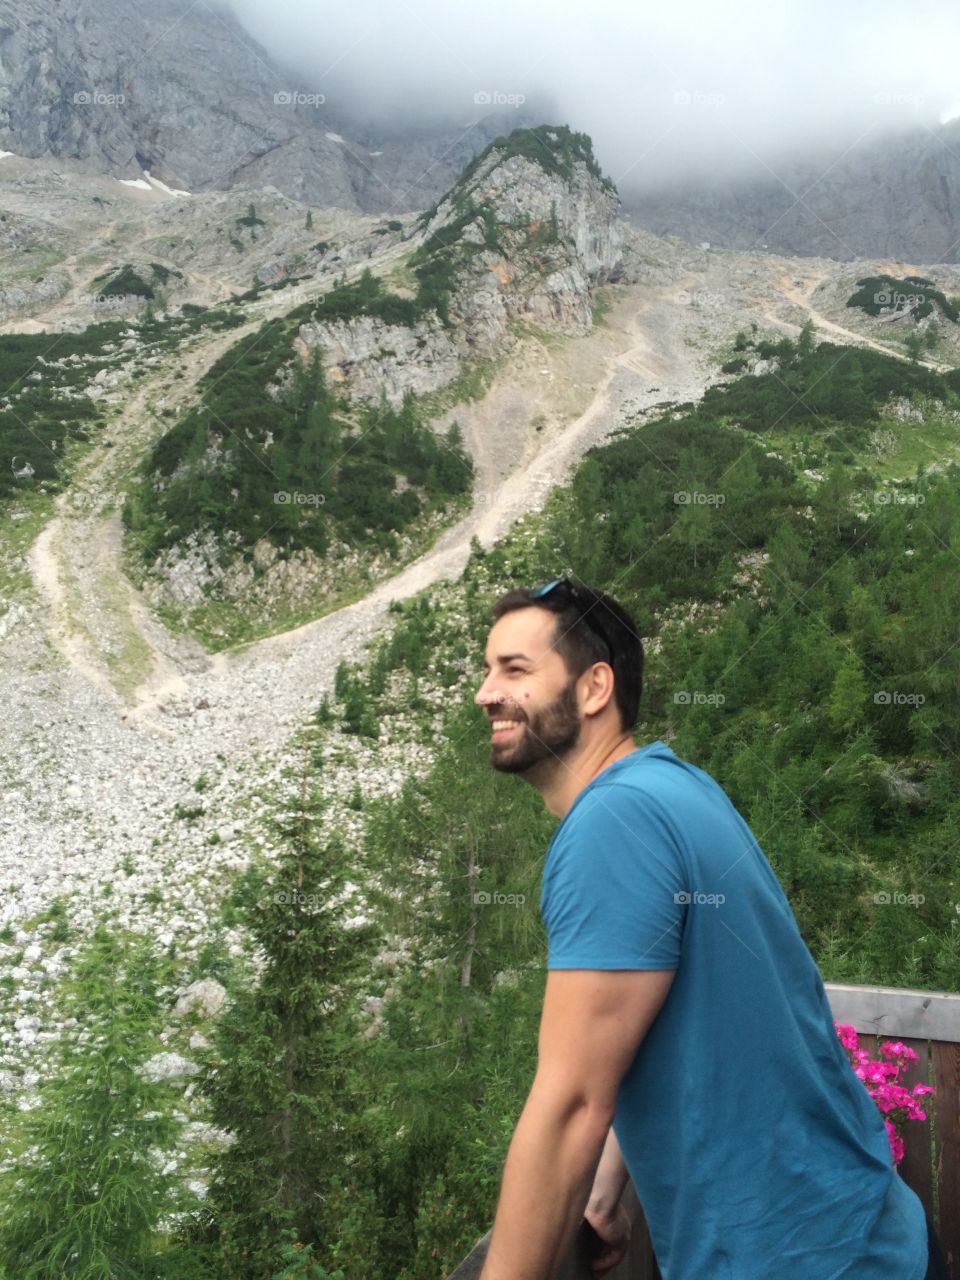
pixel 685 1023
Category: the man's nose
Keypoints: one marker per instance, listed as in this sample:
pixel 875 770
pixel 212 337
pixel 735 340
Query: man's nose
pixel 484 695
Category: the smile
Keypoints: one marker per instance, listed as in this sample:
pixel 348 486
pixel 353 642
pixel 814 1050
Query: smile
pixel 501 728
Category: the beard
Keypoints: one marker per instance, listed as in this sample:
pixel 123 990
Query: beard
pixel 542 740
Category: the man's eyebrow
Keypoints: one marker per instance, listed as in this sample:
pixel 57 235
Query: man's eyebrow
pixel 504 658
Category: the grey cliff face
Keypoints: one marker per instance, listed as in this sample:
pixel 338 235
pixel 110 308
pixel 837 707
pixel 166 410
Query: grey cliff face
pixel 547 285
pixel 186 93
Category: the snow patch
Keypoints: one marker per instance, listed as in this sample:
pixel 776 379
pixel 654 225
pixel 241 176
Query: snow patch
pixel 149 183
pixel 162 186
pixel 374 153
pixel 334 137
pixel 4 154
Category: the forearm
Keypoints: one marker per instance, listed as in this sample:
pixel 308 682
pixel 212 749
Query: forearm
pixel 610 1181
pixel 547 1179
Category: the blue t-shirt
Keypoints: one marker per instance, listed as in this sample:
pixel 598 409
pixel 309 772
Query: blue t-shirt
pixel 755 1150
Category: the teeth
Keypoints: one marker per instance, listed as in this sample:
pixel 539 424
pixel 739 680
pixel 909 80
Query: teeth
pixel 502 724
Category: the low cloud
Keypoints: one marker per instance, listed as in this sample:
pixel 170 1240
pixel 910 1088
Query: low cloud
pixel 666 92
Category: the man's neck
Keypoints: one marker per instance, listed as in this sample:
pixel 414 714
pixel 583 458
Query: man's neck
pixel 568 777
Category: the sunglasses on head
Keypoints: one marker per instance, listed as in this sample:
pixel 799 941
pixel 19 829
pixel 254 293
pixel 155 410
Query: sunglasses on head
pixel 585 606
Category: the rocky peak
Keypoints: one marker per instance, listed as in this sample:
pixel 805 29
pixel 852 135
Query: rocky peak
pixel 546 185
pixel 525 233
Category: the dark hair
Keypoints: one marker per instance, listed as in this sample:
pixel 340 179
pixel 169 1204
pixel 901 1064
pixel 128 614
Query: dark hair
pixel 580 645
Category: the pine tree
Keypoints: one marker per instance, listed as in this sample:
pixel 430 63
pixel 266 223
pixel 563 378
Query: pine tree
pixel 86 1201
pixel 849 401
pixel 914 345
pixel 848 696
pixel 806 342
pixel 696 524
pixel 280 1078
pixel 455 1070
pixel 832 504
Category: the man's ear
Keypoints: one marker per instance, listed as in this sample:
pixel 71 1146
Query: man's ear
pixel 598 688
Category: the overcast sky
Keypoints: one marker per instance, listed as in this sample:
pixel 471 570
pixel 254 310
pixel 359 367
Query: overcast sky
pixel 664 90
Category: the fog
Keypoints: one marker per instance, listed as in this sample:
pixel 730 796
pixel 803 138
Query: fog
pixel 665 91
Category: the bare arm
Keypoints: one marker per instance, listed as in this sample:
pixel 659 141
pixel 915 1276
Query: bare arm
pixel 605 1213
pixel 546 1182
pixel 609 1182
pixel 593 1022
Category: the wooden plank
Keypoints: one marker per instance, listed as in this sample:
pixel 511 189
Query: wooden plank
pixel 896 1012
pixel 915 1168
pixel 946 1081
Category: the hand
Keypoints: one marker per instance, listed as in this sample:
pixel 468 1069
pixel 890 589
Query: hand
pixel 614 1231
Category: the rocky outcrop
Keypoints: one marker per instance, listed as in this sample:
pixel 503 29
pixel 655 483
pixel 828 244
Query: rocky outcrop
pixel 191 574
pixel 518 240
pixel 206 997
pixel 27 295
pixel 371 357
pixel 168 1066
pixel 556 235
pixel 587 210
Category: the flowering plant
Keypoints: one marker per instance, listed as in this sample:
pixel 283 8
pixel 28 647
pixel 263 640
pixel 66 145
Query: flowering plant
pixel 882 1080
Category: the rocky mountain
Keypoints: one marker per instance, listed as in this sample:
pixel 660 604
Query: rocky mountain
pixel 325 404
pixel 185 94
pixel 895 197
pixel 524 235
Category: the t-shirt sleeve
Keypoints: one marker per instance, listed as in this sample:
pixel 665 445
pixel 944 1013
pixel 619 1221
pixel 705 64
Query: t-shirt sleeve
pixel 613 892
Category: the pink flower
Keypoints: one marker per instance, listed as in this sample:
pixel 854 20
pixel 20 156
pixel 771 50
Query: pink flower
pixel 896 1142
pixel 897 1049
pixel 847 1034
pixel 873 1072
pixel 882 1081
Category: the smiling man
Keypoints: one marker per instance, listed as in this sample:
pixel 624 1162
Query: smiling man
pixel 686 1039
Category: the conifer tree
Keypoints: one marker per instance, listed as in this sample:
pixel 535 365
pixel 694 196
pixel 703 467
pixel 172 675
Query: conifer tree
pixel 914 345
pixel 848 696
pixel 806 342
pixel 87 1198
pixel 279 1078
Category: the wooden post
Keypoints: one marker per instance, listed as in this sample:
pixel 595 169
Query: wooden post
pixel 915 1168
pixel 946 1081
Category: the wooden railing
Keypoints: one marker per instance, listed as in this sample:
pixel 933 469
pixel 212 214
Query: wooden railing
pixel 927 1021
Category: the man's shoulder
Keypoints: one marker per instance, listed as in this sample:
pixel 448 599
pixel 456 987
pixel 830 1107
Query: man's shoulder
pixel 625 801
pixel 649 777
pixel 659 778
pixel 658 794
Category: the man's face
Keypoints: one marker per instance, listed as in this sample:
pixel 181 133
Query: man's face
pixel 528 691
